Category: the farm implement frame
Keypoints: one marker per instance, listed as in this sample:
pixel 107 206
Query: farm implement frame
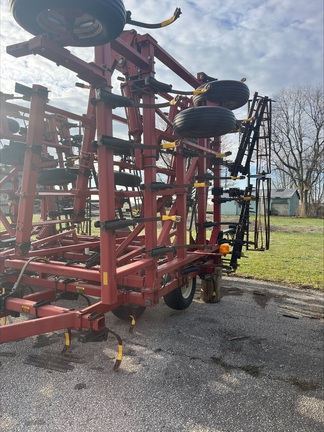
pixel 149 157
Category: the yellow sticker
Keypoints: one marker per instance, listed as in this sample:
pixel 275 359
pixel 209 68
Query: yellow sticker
pixel 105 278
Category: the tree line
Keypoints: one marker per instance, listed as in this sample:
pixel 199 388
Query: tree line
pixel 298 145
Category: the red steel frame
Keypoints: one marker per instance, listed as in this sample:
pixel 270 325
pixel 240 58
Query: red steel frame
pixel 129 271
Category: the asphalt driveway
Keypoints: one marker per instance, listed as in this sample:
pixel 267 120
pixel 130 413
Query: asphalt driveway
pixel 254 362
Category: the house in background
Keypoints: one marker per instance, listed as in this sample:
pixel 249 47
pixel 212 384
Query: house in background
pixel 284 202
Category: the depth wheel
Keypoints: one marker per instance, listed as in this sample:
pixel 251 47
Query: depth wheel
pixel 126 179
pixel 13 154
pixel 228 94
pixel 204 122
pixel 13 125
pixel 84 22
pixel 181 298
pixel 125 312
pixel 56 177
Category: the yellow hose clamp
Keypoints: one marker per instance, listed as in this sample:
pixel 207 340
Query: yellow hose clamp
pixel 44 259
pixel 166 218
pixel 200 91
pixel 167 22
pixel 168 145
pixel 248 120
pixel 175 100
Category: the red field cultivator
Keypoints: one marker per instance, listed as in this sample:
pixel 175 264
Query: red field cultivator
pixel 122 219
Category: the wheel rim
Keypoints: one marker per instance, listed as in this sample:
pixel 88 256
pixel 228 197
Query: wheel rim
pixel 186 289
pixel 80 24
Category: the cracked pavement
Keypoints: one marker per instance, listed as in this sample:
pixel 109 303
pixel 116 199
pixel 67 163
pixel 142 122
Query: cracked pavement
pixel 254 362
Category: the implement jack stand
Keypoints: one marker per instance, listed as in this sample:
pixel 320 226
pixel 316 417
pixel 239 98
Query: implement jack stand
pixel 211 287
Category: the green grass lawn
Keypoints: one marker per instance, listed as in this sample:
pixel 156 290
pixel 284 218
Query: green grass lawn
pixel 295 256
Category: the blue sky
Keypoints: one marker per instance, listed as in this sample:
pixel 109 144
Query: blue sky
pixel 272 43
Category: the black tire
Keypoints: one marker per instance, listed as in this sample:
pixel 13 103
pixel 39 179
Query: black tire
pixel 204 122
pixel 228 94
pixel 13 154
pixel 13 125
pixel 97 21
pixel 56 177
pixel 181 298
pixel 124 312
pixel 126 179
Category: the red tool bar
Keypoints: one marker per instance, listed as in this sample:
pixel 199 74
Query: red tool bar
pixel 56 268
pixel 30 172
pixel 41 45
pixel 38 326
pixel 57 285
pixel 170 62
pixel 124 49
pixel 49 110
pixel 176 264
pixel 64 319
pixel 103 55
pixel 22 305
pixel 62 249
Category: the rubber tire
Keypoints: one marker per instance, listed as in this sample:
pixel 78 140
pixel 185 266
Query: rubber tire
pixel 126 179
pixel 110 14
pixel 204 122
pixel 228 94
pixel 56 177
pixel 13 125
pixel 176 300
pixel 13 154
pixel 125 311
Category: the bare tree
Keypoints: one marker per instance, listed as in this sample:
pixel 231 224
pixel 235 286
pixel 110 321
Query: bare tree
pixel 298 143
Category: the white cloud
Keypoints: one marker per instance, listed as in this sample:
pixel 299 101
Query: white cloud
pixel 273 43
